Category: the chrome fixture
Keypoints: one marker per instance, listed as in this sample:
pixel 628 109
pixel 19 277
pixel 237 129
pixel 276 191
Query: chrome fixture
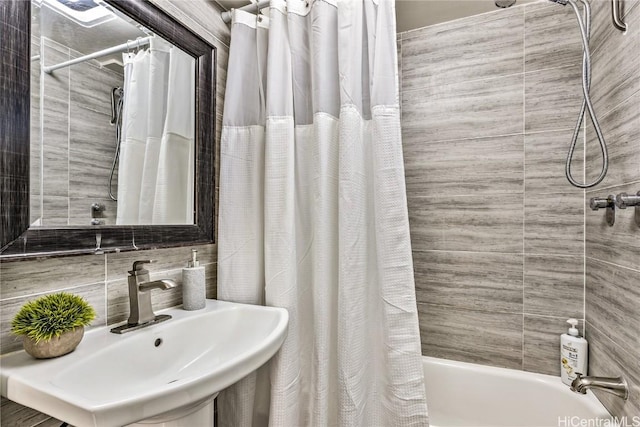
pixel 117 103
pixel 505 3
pixel 624 201
pixel 98 249
pixel 97 207
pixel 609 203
pixel 584 24
pixel 140 309
pixel 97 210
pixel 616 11
pixel 615 385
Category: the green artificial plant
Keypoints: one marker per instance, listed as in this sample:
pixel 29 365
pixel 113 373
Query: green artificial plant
pixel 52 315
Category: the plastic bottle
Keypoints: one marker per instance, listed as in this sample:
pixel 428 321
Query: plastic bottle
pixel 573 353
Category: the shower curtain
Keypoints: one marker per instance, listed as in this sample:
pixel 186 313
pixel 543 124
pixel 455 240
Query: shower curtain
pixel 156 166
pixel 313 216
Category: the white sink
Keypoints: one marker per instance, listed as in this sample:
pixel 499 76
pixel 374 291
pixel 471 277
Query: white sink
pixel 114 380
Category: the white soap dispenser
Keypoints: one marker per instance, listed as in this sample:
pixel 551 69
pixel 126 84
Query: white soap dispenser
pixel 194 290
pixel 573 353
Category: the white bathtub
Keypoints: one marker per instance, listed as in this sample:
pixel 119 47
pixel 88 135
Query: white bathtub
pixel 464 394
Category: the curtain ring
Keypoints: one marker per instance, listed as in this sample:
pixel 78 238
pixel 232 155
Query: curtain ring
pixel 255 3
pixel 132 45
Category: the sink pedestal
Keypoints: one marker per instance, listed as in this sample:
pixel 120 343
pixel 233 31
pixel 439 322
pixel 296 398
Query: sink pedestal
pixel 199 414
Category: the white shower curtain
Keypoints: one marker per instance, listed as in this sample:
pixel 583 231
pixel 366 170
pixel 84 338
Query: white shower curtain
pixel 313 216
pixel 155 170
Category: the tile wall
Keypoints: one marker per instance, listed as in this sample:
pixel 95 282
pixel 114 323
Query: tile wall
pixel 613 253
pixel 489 104
pixel 102 278
pixel 72 144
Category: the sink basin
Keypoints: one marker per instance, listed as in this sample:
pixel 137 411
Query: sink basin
pixel 114 380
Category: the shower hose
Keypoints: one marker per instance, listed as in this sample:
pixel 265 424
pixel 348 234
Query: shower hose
pixel 585 30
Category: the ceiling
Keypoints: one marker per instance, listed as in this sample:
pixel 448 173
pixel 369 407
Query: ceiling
pixel 61 29
pixel 412 14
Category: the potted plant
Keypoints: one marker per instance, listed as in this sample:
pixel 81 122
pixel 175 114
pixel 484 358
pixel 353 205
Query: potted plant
pixel 52 325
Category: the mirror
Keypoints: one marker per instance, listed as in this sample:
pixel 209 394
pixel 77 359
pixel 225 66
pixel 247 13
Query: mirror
pixel 82 68
pixel 112 119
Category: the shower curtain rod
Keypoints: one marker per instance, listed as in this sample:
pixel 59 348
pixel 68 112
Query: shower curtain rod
pixel 108 51
pixel 253 8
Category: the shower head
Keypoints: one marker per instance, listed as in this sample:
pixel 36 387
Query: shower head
pixel 505 3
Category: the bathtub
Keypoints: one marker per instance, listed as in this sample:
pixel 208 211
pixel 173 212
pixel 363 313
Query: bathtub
pixel 464 394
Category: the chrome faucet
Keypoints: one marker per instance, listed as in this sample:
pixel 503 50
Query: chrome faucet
pixel 140 309
pixel 615 385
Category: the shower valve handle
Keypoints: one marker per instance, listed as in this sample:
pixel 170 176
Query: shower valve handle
pixel 609 204
pixel 599 202
pixel 623 200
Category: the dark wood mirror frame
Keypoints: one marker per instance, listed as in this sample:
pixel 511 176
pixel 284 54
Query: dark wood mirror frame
pixel 17 240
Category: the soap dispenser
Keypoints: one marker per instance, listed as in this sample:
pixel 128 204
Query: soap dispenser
pixel 573 353
pixel 193 284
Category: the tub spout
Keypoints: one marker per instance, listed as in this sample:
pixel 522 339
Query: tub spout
pixel 615 385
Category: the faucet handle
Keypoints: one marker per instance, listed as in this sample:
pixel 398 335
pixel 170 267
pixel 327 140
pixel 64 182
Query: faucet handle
pixel 138 266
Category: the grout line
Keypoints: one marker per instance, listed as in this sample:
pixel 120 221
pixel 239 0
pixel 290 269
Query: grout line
pixel 461 82
pixel 106 292
pixel 531 254
pixel 546 316
pixel 482 309
pixel 619 104
pixel 524 177
pixel 501 135
pixel 439 195
pixel 49 291
pixel 41 114
pixel 493 77
pixel 68 140
pixel 556 130
pixel 584 227
pixel 612 264
pixel 608 336
pixel 626 184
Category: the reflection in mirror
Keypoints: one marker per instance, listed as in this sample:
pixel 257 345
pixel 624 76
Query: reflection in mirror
pixel 112 120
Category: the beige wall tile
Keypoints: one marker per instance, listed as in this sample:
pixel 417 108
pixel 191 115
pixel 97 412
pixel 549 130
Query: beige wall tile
pixel 471 336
